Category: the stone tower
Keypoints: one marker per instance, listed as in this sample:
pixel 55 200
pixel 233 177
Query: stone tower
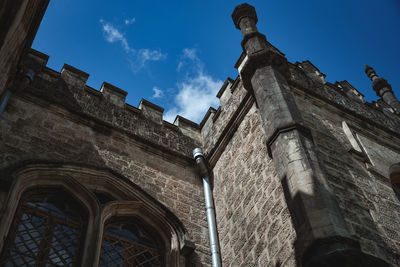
pixel 303 172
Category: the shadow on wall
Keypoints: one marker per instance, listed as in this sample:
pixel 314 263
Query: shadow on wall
pixel 32 132
pixel 357 197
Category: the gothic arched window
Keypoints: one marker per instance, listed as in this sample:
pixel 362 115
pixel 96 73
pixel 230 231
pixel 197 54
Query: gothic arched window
pixel 129 242
pixel 46 230
pixel 72 216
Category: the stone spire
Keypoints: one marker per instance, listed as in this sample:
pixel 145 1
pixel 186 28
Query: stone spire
pixel 383 89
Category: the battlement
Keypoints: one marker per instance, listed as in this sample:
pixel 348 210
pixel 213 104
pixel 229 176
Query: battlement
pixel 73 72
pixel 107 106
pixel 304 76
pixel 151 111
pixel 113 94
pixel 39 57
pixel 218 122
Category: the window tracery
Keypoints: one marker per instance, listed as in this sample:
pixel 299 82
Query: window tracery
pixel 72 216
pixel 46 231
pixel 130 243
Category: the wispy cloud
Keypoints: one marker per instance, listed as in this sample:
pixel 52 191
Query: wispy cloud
pixel 190 53
pixel 189 57
pixel 145 55
pixel 138 57
pixel 197 91
pixel 130 21
pixel 158 93
pixel 113 35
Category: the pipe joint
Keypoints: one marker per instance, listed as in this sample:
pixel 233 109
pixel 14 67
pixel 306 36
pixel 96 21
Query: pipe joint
pixel 30 74
pixel 197 152
pixel 200 161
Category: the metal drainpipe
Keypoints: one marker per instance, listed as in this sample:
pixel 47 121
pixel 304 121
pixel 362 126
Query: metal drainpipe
pixel 26 79
pixel 212 227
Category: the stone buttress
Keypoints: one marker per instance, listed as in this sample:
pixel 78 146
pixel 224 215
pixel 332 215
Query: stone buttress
pixel 322 236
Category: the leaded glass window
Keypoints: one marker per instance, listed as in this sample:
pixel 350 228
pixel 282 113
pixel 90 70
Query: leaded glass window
pixel 46 231
pixel 130 243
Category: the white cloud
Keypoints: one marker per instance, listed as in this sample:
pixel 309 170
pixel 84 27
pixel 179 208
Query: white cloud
pixel 130 21
pixel 150 55
pixel 138 57
pixel 142 56
pixel 189 56
pixel 113 35
pixel 190 53
pixel 158 93
pixel 197 92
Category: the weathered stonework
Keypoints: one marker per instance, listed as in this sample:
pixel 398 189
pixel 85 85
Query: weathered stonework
pixel 252 215
pixel 33 132
pixel 302 170
pixel 365 196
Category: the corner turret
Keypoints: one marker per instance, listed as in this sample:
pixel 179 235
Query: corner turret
pixel 383 89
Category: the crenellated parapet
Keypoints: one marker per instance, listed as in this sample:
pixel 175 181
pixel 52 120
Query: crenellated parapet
pixel 151 111
pixel 68 88
pixel 105 110
pixel 304 76
pixel 342 95
pixel 311 71
pixel 113 94
pixel 218 126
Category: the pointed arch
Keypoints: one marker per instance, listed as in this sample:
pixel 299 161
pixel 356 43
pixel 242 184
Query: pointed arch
pixel 38 179
pixel 124 199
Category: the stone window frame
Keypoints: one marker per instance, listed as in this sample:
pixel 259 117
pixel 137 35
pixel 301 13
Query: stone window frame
pixel 357 150
pixel 82 183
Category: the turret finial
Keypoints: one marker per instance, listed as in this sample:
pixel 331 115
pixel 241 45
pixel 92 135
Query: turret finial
pixel 244 11
pixel 370 72
pixel 245 18
pixel 383 89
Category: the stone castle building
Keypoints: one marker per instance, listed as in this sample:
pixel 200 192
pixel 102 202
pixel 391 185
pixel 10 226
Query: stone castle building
pixel 303 172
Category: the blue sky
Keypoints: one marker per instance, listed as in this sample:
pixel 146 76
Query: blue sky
pixel 177 54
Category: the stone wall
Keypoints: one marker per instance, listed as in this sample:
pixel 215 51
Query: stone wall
pixel 362 188
pixel 59 120
pixel 253 220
